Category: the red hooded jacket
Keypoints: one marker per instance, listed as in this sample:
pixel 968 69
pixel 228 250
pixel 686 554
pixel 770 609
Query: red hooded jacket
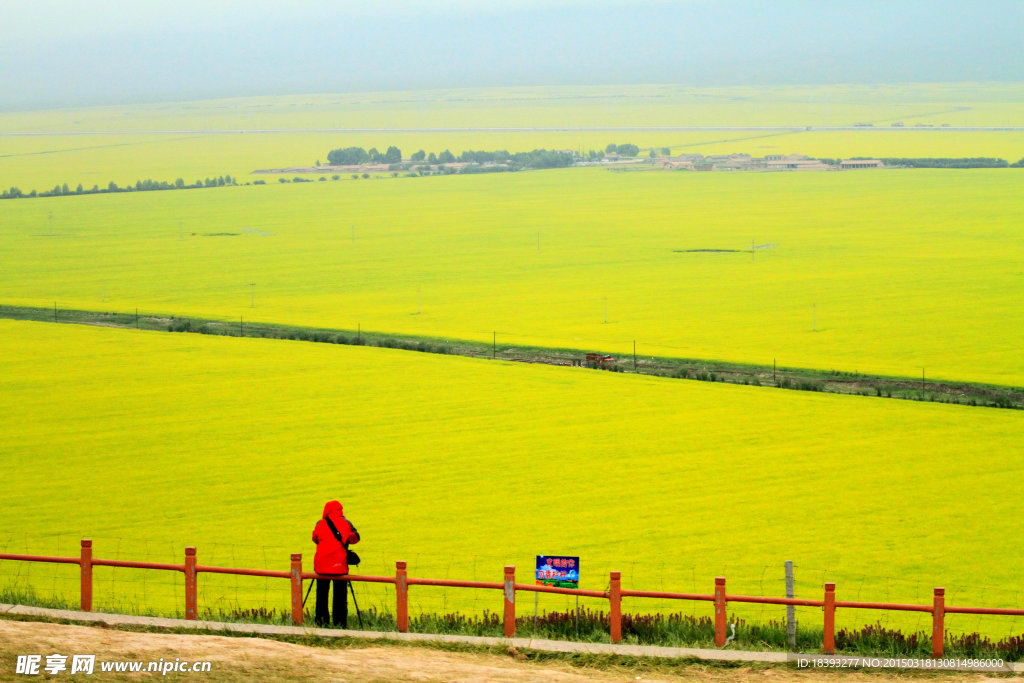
pixel 331 556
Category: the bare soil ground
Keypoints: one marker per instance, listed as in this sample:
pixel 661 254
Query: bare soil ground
pixel 245 658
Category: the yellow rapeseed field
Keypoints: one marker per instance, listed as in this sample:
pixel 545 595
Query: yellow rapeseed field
pixel 887 271
pixel 957 104
pixel 39 163
pixel 872 143
pixel 97 145
pixel 148 441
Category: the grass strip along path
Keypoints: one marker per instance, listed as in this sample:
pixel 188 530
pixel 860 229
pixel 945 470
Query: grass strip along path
pixel 802 379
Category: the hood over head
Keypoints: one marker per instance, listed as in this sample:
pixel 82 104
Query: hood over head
pixel 331 507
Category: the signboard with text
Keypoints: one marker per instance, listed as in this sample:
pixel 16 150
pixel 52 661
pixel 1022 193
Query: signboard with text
pixel 558 570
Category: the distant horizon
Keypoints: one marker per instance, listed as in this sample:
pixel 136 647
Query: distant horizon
pixel 483 88
pixel 63 54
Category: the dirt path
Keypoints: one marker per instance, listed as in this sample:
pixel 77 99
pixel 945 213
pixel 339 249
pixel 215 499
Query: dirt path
pixel 238 659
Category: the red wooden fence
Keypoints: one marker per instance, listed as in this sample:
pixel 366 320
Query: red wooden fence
pixel 615 593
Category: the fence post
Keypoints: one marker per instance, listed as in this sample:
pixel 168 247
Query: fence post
pixel 830 619
pixel 510 601
pixel 86 564
pixel 297 589
pixel 790 609
pixel 402 596
pixel 938 627
pixel 719 611
pixel 191 599
pixel 615 606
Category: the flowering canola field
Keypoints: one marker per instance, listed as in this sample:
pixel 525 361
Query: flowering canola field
pixel 195 140
pixel 889 272
pixel 147 442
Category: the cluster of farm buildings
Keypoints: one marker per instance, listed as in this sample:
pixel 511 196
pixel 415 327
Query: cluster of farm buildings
pixel 769 162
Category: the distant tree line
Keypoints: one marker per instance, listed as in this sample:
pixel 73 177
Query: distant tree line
pixel 355 156
pixel 942 162
pixel 481 161
pixel 626 150
pixel 445 157
pixel 477 159
pixel 538 158
pixel 139 186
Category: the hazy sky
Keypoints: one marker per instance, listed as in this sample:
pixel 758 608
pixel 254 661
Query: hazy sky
pixel 72 52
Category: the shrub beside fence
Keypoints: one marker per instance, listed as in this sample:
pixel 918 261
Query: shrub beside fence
pixel 615 594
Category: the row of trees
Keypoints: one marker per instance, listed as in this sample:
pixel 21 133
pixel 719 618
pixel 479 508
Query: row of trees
pixel 542 158
pixel 538 158
pixel 147 185
pixel 937 162
pixel 354 156
pixel 445 157
pixel 626 150
pixel 943 162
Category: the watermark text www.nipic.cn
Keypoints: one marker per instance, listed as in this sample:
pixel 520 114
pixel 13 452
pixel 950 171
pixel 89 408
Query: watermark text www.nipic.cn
pixel 34 665
pixel 898 663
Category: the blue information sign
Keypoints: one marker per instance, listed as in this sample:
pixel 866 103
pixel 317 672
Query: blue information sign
pixel 558 570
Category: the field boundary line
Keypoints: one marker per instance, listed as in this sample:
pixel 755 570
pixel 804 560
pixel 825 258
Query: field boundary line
pixel 809 660
pixel 958 392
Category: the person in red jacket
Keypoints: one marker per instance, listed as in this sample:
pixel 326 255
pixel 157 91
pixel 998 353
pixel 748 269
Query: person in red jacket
pixel 332 534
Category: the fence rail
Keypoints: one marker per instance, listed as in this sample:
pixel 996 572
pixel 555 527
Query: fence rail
pixel 401 580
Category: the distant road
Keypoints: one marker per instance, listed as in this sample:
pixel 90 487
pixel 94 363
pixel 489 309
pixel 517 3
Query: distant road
pixel 565 129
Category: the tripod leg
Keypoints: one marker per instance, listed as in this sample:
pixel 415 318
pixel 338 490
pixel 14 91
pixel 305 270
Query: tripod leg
pixel 308 590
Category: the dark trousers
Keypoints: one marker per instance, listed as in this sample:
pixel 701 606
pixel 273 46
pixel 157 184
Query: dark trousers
pixel 339 606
